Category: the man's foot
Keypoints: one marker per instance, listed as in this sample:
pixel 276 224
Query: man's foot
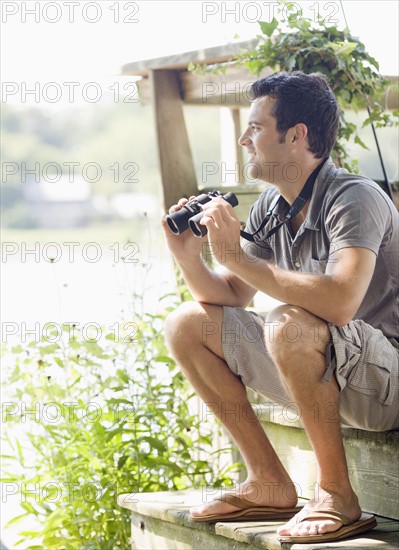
pixel 347 505
pixel 260 493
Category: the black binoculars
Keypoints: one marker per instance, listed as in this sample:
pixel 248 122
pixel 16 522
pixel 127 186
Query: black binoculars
pixel 191 213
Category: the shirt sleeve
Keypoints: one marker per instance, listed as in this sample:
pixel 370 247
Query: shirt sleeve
pixel 359 217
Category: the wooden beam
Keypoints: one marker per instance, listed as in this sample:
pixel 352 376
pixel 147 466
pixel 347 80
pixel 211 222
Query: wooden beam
pixel 228 90
pixel 235 115
pixel 231 89
pixel 207 56
pixel 175 158
pixel 225 90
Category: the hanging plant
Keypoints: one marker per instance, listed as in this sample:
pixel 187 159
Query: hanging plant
pixel 298 44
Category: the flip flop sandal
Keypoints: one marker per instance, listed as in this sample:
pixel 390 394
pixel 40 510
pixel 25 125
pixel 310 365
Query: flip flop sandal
pixel 248 511
pixel 349 528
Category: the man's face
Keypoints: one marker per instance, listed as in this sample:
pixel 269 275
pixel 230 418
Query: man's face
pixel 263 142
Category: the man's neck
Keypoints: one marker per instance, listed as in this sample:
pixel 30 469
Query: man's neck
pixel 291 189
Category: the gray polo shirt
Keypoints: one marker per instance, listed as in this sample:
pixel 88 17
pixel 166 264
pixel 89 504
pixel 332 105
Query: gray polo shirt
pixel 345 210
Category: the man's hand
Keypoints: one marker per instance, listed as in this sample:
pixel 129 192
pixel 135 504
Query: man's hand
pixel 205 284
pixel 223 231
pixel 183 246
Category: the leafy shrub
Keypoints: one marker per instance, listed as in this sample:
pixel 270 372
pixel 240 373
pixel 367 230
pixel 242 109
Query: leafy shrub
pixel 111 415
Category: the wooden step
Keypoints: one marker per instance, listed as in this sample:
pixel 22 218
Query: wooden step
pixel 160 521
pixel 373 459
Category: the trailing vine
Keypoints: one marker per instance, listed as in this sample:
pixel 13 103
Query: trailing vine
pixel 295 43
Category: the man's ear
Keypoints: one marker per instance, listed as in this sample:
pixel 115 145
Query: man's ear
pixel 300 133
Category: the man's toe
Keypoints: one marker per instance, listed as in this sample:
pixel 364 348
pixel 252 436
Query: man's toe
pixel 285 529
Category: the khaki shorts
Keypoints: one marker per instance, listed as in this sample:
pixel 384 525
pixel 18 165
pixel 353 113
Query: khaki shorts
pixel 367 368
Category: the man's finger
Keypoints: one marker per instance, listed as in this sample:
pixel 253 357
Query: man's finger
pixel 217 210
pixel 178 206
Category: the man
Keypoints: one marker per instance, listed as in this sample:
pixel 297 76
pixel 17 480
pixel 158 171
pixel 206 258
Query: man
pixel 333 263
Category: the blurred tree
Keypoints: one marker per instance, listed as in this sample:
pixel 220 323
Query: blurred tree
pixel 119 138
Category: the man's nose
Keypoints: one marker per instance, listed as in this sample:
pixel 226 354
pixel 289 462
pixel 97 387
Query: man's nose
pixel 244 139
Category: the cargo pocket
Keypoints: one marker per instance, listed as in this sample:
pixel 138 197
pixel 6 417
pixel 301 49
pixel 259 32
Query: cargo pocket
pixel 376 372
pixel 347 351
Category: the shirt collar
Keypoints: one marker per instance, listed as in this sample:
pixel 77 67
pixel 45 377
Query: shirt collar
pixel 325 177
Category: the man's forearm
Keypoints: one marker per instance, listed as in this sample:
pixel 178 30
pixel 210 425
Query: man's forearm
pixel 322 295
pixel 207 285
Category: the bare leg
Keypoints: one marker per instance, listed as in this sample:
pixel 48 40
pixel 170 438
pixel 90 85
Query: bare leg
pixel 193 334
pixel 298 350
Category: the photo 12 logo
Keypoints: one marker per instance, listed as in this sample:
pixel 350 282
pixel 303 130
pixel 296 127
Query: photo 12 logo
pixel 53 333
pixel 69 12
pixel 68 92
pixel 253 12
pixel 55 491
pixel 69 172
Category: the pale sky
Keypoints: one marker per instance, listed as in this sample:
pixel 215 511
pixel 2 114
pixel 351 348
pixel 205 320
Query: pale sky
pixel 40 44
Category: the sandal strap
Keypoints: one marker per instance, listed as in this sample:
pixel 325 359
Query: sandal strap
pixel 238 502
pixel 326 514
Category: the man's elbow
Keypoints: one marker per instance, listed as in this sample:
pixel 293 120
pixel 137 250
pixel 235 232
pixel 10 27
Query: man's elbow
pixel 341 316
pixel 340 321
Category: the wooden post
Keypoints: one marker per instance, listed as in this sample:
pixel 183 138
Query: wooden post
pixel 175 158
pixel 235 115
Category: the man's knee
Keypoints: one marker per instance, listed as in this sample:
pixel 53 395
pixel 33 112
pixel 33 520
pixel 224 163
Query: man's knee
pixel 192 323
pixel 178 325
pixel 296 332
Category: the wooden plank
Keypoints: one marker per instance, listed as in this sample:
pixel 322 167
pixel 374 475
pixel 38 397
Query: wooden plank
pixel 216 54
pixel 373 468
pixel 228 90
pixel 161 521
pixel 231 89
pixel 175 158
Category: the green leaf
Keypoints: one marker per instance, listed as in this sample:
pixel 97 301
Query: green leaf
pixel 59 362
pixel 154 442
pixel 343 48
pixel 17 518
pixel 122 461
pixel 48 350
pixel 290 63
pixel 29 508
pixel 303 24
pixel 95 463
pixel 268 28
pixel 163 359
pixel 360 142
pixel 17 349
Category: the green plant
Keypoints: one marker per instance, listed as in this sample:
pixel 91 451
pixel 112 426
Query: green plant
pixel 111 414
pixel 296 43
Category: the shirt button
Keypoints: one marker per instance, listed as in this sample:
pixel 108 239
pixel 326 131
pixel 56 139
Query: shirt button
pixel 297 264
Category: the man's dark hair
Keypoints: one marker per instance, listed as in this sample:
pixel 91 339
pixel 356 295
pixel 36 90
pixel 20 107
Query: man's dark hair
pixel 305 98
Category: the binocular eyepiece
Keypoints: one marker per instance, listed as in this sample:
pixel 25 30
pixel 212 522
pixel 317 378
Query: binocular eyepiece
pixel 191 213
